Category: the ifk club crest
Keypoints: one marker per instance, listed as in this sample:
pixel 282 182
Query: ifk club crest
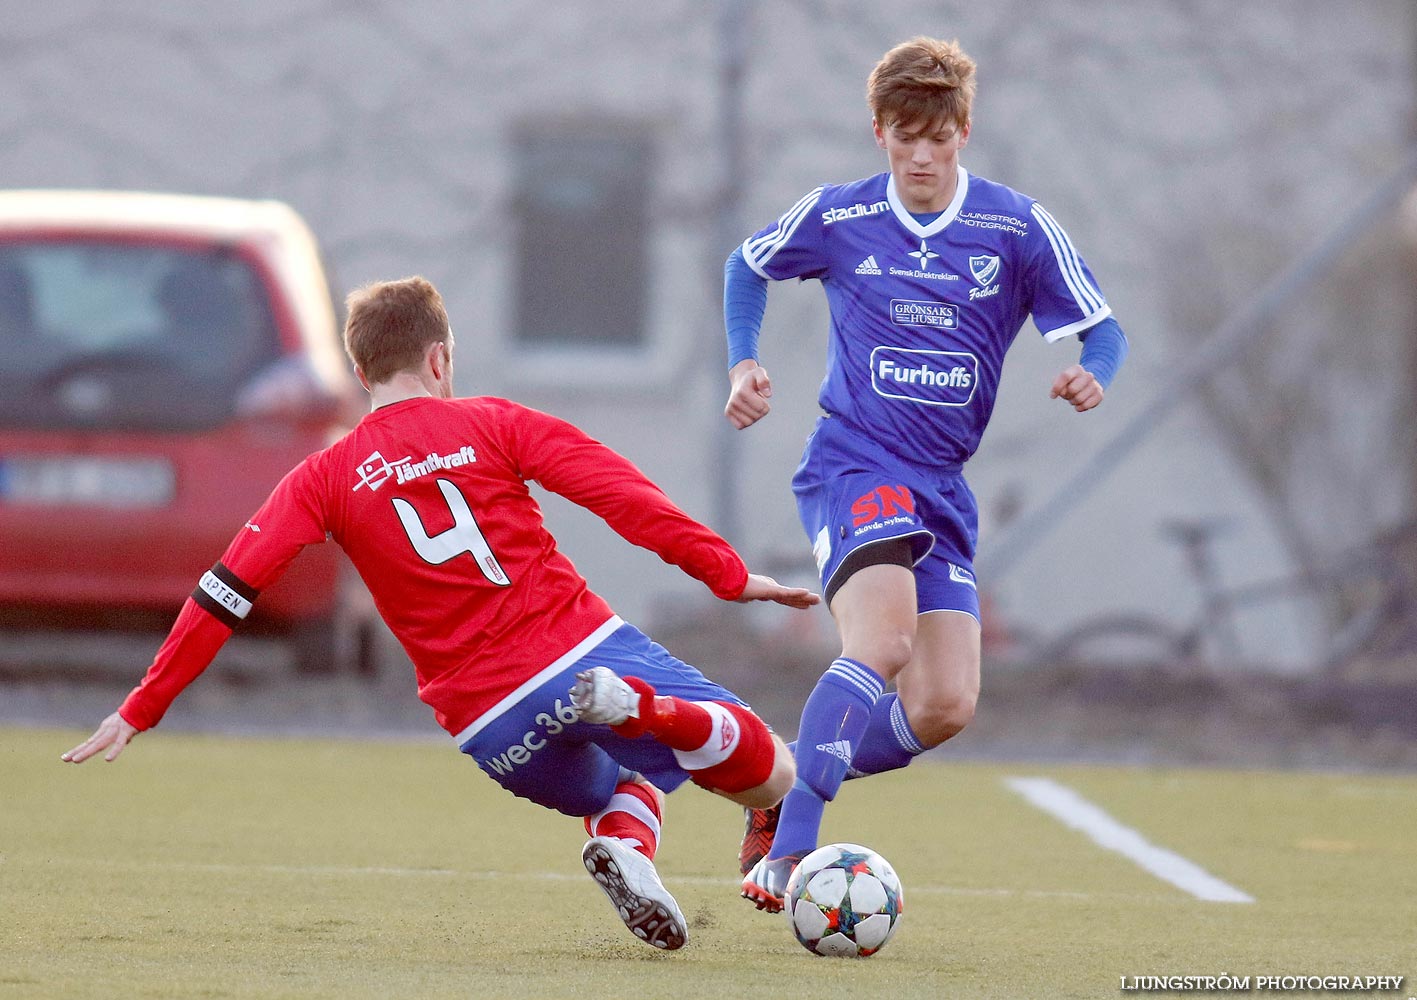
pixel 985 268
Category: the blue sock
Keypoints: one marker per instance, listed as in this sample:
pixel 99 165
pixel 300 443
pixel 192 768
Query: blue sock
pixel 888 742
pixel 833 721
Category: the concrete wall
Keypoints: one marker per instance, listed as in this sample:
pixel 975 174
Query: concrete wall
pixel 1191 150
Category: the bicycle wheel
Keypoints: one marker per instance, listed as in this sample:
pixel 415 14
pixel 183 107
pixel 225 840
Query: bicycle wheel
pixel 1133 640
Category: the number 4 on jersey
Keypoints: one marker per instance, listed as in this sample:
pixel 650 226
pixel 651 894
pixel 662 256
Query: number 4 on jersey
pixel 463 536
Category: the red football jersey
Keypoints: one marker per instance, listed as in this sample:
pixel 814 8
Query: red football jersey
pixel 429 498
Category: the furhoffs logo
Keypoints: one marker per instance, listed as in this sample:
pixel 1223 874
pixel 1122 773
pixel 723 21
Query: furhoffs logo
pixel 934 378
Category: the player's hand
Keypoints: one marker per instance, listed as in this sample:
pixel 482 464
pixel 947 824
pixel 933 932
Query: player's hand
pixel 748 400
pixel 112 734
pixel 1078 386
pixel 765 588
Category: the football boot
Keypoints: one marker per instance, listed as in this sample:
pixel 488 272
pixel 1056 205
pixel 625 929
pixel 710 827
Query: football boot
pixel 634 888
pixel 601 696
pixel 759 828
pixel 766 884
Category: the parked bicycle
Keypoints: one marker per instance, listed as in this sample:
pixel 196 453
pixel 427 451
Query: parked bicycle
pixel 1367 594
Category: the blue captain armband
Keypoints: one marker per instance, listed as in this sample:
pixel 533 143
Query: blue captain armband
pixel 745 298
pixel 1104 348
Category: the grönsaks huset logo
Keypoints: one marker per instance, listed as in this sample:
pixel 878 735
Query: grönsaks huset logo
pixel 914 312
pixel 932 378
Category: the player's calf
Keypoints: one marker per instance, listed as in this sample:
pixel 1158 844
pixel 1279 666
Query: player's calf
pixel 633 816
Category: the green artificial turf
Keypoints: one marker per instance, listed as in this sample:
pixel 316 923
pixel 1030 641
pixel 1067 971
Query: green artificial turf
pixel 222 867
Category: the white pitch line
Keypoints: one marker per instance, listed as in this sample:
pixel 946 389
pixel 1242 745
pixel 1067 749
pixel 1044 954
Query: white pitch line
pixel 1075 811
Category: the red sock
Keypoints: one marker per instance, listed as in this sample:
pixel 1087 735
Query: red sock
pixel 678 724
pixel 633 814
pixel 734 768
pixel 723 746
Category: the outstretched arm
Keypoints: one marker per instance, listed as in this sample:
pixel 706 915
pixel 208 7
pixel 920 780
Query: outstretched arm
pixel 289 520
pixel 765 588
pixel 195 638
pixel 567 461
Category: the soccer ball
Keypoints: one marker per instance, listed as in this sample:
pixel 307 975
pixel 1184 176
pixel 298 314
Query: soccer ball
pixel 844 900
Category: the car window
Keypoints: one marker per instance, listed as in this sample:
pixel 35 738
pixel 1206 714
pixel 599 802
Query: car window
pixel 127 335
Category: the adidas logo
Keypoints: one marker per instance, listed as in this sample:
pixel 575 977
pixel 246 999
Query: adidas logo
pixel 840 749
pixel 868 266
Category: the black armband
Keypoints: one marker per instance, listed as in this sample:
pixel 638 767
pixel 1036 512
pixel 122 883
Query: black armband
pixel 225 596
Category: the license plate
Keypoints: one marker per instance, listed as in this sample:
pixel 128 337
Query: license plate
pixel 125 483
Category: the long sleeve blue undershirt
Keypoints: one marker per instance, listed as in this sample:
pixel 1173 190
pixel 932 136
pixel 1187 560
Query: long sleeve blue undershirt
pixel 1104 348
pixel 745 299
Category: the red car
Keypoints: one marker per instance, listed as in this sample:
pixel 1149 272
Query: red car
pixel 164 360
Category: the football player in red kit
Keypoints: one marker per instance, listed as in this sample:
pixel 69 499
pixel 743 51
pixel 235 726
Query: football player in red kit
pixel 535 677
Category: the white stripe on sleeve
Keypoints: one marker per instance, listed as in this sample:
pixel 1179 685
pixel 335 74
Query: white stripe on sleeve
pixel 758 250
pixel 1088 298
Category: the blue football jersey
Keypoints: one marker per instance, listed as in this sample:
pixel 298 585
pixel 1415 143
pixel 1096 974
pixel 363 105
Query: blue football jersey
pixel 921 315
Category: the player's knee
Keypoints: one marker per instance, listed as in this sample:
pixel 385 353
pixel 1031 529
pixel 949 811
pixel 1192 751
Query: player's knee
pixel 778 783
pixel 896 649
pixel 584 793
pixel 886 650
pixel 942 716
pixel 770 792
pixel 784 773
pixel 587 803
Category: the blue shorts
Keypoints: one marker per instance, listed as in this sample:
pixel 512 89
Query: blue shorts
pixel 851 492
pixel 531 744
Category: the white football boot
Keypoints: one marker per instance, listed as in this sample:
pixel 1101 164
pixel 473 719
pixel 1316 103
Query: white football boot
pixel 634 888
pixel 600 695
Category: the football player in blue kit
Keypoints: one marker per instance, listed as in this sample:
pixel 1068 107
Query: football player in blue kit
pixel 929 272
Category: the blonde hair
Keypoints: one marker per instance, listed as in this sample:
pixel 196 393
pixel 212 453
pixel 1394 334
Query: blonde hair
pixel 923 81
pixel 391 324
